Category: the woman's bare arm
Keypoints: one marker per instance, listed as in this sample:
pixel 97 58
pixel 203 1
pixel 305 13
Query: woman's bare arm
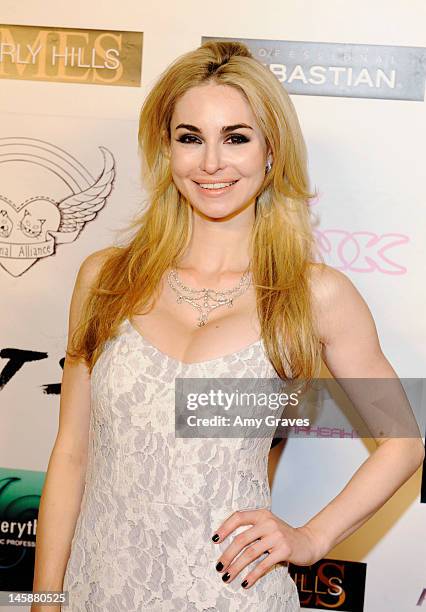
pixel 351 349
pixel 65 478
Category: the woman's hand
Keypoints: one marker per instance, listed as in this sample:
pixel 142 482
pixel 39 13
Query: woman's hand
pixel 270 534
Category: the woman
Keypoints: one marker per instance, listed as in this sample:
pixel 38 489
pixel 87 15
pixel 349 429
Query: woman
pixel 163 519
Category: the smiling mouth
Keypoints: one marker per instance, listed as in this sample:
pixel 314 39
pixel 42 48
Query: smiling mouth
pixel 216 187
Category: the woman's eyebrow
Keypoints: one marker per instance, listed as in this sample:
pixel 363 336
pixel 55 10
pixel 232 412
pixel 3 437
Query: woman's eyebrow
pixel 224 129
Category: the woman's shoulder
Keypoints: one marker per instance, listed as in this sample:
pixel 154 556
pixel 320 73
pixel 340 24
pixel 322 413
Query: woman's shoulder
pixel 336 302
pixel 98 257
pixel 92 263
pixel 328 283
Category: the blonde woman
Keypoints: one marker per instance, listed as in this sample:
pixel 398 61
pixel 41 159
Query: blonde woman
pixel 131 518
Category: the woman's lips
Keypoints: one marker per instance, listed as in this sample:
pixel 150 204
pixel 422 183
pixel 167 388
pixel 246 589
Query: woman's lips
pixel 209 192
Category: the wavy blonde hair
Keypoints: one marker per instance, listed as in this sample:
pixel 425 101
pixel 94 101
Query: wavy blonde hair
pixel 282 242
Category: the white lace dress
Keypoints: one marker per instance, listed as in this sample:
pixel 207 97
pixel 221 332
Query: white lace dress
pixel 152 501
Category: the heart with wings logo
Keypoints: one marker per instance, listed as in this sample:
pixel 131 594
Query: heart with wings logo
pixel 30 228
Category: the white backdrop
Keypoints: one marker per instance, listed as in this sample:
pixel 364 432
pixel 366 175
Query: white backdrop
pixel 365 157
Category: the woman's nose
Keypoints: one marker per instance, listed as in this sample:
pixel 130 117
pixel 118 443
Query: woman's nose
pixel 212 158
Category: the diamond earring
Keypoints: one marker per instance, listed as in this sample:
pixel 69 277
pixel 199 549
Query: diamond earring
pixel 268 166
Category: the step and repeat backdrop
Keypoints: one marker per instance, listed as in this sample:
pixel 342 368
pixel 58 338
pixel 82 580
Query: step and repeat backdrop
pixel 72 80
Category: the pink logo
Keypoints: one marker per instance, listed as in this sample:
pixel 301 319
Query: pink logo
pixel 361 251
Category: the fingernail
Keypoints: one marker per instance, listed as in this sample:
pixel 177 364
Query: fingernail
pixel 244 584
pixel 215 537
pixel 219 566
pixel 226 577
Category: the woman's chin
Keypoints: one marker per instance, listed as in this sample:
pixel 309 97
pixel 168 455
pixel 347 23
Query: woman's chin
pixel 218 210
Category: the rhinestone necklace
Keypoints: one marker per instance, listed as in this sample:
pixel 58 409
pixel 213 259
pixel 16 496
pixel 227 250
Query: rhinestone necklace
pixel 223 297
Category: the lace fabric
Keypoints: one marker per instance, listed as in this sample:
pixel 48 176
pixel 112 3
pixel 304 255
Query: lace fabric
pixel 151 501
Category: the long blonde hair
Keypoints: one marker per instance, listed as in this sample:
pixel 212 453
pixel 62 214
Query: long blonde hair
pixel 282 242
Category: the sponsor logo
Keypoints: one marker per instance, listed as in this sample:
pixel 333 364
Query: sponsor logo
pixel 342 69
pixel 331 584
pixel 20 492
pixel 361 251
pixel 31 225
pixel 70 55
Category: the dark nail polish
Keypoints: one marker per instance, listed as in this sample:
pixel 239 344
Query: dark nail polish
pixel 219 566
pixel 215 537
pixel 244 584
pixel 226 577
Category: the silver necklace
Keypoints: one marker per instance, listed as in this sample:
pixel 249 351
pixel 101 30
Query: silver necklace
pixel 223 297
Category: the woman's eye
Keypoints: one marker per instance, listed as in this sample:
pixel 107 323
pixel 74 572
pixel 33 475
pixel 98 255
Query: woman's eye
pixel 184 138
pixel 240 138
pixel 236 139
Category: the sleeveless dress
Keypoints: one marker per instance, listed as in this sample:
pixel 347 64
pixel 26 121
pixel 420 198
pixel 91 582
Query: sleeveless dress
pixel 152 502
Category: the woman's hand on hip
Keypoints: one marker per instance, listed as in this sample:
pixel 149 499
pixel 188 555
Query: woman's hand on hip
pixel 298 545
